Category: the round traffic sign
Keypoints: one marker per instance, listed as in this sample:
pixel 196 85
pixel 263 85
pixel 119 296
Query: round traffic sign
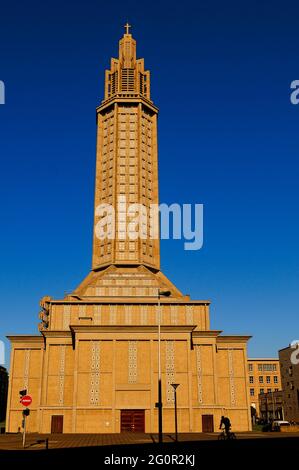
pixel 26 400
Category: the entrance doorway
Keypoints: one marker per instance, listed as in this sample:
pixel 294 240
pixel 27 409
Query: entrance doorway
pixel 57 424
pixel 132 420
pixel 207 423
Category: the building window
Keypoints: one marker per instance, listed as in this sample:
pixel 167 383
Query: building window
pixel 267 367
pixel 252 392
pixel 269 390
pixel 250 367
pixel 268 379
pixel 276 390
pixel 261 391
pixel 275 379
pixel 251 379
pixel 261 379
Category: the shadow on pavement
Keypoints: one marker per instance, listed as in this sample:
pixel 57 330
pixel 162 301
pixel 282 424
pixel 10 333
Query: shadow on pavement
pixel 196 454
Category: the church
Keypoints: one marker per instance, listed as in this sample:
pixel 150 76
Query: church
pixel 101 351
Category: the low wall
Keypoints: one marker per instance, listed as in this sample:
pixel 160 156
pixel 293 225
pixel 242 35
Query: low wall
pixel 292 428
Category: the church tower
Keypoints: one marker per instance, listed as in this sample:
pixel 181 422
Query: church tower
pixel 126 244
pixel 126 170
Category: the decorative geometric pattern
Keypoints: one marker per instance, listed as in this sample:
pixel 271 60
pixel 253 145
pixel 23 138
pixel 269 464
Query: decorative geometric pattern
pixel 26 369
pixel 127 291
pixel 170 373
pixel 61 374
pixel 100 291
pixel 231 377
pixel 199 373
pixel 159 311
pixel 128 314
pixel 132 362
pixel 66 316
pixel 112 309
pixel 174 314
pixel 82 310
pixel 97 314
pixel 95 373
pixel 189 315
pixel 144 309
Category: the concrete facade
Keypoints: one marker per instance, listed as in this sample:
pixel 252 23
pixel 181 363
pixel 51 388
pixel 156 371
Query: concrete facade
pixel 263 377
pixel 289 366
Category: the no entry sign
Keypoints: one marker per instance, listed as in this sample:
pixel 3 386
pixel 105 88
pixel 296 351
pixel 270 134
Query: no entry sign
pixel 26 400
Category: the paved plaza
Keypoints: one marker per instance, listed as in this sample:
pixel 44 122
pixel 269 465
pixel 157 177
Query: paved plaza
pixel 61 441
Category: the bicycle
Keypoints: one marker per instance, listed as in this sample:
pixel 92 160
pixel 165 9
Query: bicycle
pixel 227 436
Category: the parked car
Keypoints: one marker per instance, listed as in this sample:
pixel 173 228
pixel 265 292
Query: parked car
pixel 277 424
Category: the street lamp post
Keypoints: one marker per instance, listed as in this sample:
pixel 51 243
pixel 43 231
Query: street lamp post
pixel 159 404
pixel 175 386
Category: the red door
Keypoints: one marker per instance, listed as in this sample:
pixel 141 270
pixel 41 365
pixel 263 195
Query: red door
pixel 57 424
pixel 207 423
pixel 132 420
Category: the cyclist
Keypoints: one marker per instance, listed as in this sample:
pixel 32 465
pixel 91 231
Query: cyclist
pixel 226 423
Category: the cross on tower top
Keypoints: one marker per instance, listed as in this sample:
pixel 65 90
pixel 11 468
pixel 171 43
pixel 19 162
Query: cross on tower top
pixel 127 27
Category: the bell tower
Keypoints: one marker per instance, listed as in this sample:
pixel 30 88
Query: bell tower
pixel 127 167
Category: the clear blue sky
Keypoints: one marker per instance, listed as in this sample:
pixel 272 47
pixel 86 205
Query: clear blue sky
pixel 228 138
